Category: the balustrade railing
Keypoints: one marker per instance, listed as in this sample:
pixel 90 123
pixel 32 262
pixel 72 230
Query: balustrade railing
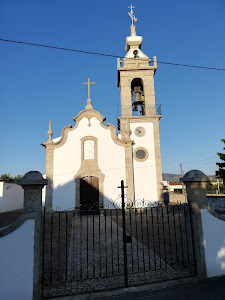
pixel 145 110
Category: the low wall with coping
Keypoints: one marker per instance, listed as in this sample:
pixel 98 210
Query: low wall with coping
pixel 208 220
pixel 17 262
pixel 21 245
pixel 214 242
pixel 176 198
pixel 217 202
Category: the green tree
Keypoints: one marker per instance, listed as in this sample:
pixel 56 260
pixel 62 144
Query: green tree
pixel 17 177
pixel 221 165
pixel 6 177
pixel 9 177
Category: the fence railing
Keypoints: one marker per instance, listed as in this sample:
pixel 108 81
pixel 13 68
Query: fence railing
pixel 83 252
pixel 146 110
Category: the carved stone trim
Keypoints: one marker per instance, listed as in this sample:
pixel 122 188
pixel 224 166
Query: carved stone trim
pixel 141 119
pixel 62 140
pixel 158 159
pixel 129 171
pixel 141 159
pixel 87 113
pixel 88 161
pixel 83 174
pixel 89 167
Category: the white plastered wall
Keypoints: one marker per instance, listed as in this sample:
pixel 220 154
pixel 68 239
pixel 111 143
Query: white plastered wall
pixel 145 181
pixel 67 162
pixel 11 196
pixel 214 244
pixel 16 263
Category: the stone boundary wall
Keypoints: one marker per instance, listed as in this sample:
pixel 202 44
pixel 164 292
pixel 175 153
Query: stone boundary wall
pixel 9 217
pixel 177 198
pixel 21 245
pixel 216 202
pixel 174 198
pixel 208 216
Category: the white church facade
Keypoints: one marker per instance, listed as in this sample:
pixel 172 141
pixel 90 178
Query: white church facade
pixel 85 166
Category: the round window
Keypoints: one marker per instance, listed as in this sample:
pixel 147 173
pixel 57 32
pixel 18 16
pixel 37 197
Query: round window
pixel 140 154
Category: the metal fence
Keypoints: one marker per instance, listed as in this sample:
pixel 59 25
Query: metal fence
pixel 85 252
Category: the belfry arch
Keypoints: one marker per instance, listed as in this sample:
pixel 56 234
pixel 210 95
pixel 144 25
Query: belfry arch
pixel 137 95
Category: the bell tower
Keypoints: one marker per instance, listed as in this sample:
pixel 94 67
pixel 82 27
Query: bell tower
pixel 139 113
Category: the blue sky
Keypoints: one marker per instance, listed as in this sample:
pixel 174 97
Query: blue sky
pixel 38 84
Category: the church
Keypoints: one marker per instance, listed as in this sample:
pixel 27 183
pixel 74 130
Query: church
pixel 85 165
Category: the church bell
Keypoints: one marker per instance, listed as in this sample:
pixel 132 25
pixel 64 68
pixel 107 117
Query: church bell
pixel 137 98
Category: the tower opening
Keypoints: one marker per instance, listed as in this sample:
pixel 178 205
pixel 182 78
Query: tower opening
pixel 137 94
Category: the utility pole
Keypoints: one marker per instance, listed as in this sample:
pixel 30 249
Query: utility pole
pixel 181 171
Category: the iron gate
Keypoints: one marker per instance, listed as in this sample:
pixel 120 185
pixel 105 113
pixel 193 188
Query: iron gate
pixel 94 251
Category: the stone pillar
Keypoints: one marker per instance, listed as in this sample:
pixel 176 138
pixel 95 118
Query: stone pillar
pixel 32 183
pixel 49 175
pixel 195 182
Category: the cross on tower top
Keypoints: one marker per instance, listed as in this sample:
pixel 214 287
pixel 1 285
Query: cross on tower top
pixel 89 83
pixel 131 14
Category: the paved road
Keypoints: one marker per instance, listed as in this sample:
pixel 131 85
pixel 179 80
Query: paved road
pixel 213 289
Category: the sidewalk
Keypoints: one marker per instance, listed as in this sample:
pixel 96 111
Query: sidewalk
pixel 212 289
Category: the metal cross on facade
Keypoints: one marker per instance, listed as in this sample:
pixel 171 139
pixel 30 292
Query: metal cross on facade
pixel 131 14
pixel 89 83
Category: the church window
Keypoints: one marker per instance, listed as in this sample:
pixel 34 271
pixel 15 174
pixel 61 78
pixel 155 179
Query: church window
pixel 141 154
pixel 89 149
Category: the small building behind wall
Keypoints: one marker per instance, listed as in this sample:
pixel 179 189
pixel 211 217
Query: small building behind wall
pixel 174 192
pixel 176 187
pixel 11 196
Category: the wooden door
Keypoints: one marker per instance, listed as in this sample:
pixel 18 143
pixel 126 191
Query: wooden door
pixel 89 193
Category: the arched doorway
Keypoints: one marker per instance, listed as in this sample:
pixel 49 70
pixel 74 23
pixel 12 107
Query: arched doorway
pixel 89 193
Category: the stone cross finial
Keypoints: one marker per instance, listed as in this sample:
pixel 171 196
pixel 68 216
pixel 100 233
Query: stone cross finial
pixel 50 133
pixel 131 14
pixel 89 83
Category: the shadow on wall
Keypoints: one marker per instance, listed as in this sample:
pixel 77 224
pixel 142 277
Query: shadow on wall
pixel 9 217
pixel 86 193
pixel 64 196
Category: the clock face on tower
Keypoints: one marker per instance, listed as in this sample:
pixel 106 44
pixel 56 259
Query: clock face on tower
pixel 139 131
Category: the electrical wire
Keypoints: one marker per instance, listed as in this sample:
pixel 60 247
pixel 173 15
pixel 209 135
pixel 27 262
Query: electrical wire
pixel 185 163
pixel 108 55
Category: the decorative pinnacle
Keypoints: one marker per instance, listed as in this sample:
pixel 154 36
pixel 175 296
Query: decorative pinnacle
pixel 131 14
pixel 50 133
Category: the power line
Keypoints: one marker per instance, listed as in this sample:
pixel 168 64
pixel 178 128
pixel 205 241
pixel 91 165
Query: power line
pixel 199 160
pixel 108 55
